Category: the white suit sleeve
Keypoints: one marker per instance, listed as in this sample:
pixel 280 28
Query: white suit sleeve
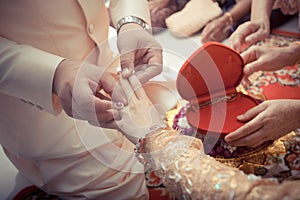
pixel 121 8
pixel 27 73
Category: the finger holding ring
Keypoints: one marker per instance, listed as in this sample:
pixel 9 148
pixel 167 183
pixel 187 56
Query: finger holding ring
pixel 119 105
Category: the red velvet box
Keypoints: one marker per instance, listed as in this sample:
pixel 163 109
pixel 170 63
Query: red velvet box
pixel 208 80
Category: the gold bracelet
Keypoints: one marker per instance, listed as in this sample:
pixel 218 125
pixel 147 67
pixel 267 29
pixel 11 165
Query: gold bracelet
pixel 229 17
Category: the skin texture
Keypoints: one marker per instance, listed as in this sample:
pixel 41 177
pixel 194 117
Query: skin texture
pixel 256 29
pixel 140 115
pixel 267 121
pixel 216 30
pixel 258 58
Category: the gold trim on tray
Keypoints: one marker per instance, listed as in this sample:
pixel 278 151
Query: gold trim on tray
pixel 251 161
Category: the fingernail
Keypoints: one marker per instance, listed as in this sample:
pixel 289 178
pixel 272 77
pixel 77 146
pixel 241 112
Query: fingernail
pixel 227 139
pixel 125 70
pixel 240 117
pixel 125 73
pixel 247 39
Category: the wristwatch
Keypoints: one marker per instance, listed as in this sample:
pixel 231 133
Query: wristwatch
pixel 133 19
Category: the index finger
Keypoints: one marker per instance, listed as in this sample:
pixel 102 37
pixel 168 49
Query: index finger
pixel 239 35
pixel 154 56
pixel 102 104
pixel 249 55
pixel 207 31
pixel 147 72
pixel 129 93
pixel 127 61
pixel 245 130
pixel 137 87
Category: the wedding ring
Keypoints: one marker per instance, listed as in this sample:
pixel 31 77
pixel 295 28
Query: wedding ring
pixel 119 105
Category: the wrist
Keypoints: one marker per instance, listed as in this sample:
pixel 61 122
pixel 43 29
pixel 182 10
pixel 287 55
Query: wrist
pixel 144 145
pixel 60 76
pixel 56 77
pixel 133 20
pixel 296 110
pixel 129 26
pixel 296 46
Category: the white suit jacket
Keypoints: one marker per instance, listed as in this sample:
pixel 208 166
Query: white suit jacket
pixel 62 155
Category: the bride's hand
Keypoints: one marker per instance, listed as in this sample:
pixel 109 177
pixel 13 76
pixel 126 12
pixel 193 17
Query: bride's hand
pixel 140 115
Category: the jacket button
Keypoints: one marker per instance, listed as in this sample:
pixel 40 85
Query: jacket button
pixel 91 28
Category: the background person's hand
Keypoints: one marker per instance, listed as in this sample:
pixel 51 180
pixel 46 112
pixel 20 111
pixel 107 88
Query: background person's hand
pixel 140 114
pixel 249 33
pixel 139 51
pixel 155 5
pixel 290 7
pixel 258 58
pixel 216 30
pixel 77 84
pixel 267 121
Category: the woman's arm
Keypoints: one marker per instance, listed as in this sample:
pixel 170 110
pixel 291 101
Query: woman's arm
pixel 256 29
pixel 241 8
pixel 219 28
pixel 190 174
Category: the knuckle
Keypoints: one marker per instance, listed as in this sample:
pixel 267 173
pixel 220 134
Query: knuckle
pixel 125 60
pixel 255 144
pixel 104 117
pixel 247 128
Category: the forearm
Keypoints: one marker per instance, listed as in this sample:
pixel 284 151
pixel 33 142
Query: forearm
pixel 190 174
pixel 295 108
pixel 27 73
pixel 242 8
pixel 295 47
pixel 261 10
